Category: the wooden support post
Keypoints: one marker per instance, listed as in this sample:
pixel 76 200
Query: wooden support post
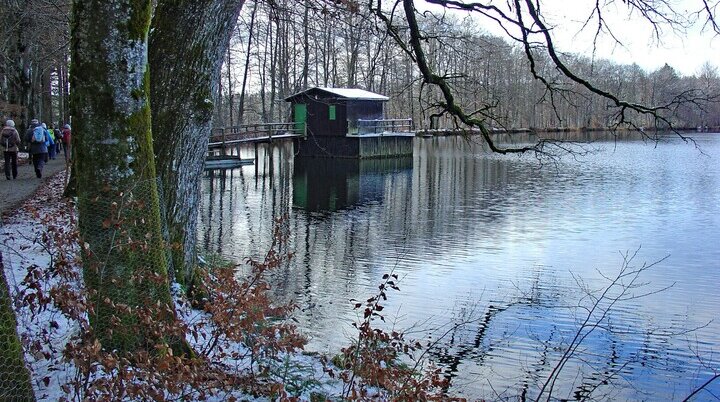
pixel 271 162
pixel 256 160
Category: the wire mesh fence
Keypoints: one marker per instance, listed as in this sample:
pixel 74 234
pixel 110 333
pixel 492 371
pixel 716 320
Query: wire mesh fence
pixel 123 277
pixel 125 261
pixel 15 381
pixel 121 336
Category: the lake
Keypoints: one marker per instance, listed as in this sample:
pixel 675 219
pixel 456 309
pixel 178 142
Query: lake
pixel 497 253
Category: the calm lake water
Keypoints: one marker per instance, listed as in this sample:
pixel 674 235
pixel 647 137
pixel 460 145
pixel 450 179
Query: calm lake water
pixel 508 246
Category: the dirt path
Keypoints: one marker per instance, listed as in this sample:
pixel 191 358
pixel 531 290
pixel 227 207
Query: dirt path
pixel 13 192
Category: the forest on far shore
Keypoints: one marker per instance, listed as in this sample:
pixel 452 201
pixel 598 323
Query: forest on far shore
pixel 282 47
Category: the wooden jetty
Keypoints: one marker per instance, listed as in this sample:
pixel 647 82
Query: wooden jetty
pixel 227 137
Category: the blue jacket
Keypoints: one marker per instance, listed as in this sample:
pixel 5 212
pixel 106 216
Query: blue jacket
pixel 37 147
pixel 48 139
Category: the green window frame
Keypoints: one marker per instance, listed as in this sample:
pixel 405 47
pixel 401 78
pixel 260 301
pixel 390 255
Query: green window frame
pixel 331 112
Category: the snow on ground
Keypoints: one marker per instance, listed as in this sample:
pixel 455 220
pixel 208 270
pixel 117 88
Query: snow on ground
pixel 27 243
pixel 39 248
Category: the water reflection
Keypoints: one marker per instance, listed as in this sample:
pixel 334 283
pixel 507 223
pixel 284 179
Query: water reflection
pixel 497 242
pixel 327 185
pixel 240 205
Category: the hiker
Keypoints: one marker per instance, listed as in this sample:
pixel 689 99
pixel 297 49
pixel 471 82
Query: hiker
pixel 28 136
pixel 51 142
pixel 39 140
pixel 66 142
pixel 10 140
pixel 58 139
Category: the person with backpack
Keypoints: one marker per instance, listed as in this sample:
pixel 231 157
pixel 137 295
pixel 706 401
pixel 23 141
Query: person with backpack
pixel 58 139
pixel 28 136
pixel 10 140
pixel 50 143
pixel 39 141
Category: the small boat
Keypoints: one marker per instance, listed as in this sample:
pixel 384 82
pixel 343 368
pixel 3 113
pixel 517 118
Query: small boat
pixel 225 162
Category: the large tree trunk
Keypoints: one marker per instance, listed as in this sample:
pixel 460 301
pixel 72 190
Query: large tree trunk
pixel 15 381
pixel 187 45
pixel 119 215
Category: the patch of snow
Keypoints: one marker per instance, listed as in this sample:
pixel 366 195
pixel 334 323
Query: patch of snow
pixel 348 93
pixel 44 333
pixel 26 245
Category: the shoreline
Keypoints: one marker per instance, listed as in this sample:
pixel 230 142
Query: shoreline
pixel 441 132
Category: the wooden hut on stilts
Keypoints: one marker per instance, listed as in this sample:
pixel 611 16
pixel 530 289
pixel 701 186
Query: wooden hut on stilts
pixel 348 123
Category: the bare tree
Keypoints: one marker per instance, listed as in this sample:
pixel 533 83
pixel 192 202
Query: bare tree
pixel 34 39
pixel 523 22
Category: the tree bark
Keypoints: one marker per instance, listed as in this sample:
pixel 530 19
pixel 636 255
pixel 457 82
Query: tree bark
pixel 124 264
pixel 183 82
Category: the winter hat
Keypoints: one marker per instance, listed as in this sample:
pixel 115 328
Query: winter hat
pixel 34 121
pixel 67 126
pixel 10 123
pixel 44 126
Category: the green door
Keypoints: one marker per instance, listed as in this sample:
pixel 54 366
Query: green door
pixel 300 114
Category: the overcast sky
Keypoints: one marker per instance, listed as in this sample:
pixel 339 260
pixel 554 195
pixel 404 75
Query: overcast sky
pixel 685 51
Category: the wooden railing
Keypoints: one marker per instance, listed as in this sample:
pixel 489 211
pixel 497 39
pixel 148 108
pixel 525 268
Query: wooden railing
pixel 365 127
pixel 254 132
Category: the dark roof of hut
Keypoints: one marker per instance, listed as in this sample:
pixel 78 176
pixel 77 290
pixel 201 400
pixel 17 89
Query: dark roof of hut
pixel 343 93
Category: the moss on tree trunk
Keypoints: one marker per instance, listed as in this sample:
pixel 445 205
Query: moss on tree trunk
pixel 124 262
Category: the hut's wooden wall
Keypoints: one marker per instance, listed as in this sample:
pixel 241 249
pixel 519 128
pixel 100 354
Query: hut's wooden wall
pixel 318 119
pixel 328 147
